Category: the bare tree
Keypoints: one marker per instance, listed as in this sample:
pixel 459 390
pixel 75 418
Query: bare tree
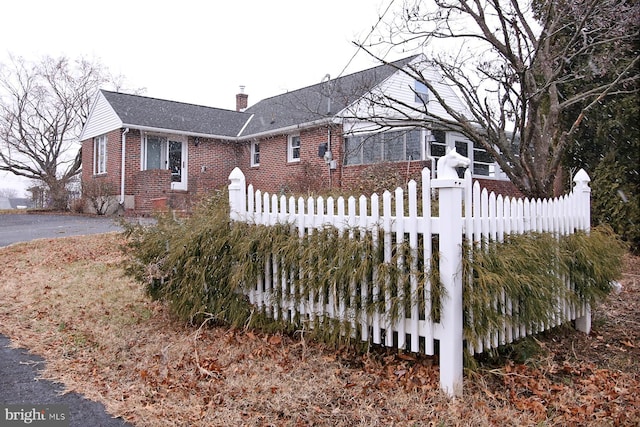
pixel 8 193
pixel 43 106
pixel 521 70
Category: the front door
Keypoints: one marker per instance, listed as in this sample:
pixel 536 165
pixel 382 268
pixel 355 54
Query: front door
pixel 177 164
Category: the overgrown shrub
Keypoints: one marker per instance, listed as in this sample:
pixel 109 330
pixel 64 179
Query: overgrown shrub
pixel 307 180
pixel 532 270
pixel 77 205
pixel 190 262
pixel 204 265
pixel 616 198
pixel 378 177
pixel 99 194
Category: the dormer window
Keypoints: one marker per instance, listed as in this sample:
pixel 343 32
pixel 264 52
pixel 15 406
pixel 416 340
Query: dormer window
pixel 421 92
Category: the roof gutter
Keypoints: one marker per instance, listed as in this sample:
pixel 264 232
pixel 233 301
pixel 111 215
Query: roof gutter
pixel 178 131
pixel 280 131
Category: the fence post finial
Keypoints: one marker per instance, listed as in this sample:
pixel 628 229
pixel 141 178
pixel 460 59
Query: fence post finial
pixel 448 163
pixel 582 179
pixel 237 195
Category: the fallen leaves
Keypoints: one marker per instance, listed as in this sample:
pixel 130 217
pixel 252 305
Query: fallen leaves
pixel 103 338
pixel 575 393
pixel 275 340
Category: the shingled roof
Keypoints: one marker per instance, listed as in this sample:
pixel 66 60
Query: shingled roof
pixel 300 107
pixel 316 102
pixel 142 111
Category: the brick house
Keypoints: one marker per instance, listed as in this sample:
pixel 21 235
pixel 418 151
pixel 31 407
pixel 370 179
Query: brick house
pixel 150 151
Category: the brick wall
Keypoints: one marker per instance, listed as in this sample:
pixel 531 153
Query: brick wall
pixel 276 174
pixel 113 166
pixel 355 177
pixel 211 161
pixel 505 188
pixel 149 185
pixel 132 160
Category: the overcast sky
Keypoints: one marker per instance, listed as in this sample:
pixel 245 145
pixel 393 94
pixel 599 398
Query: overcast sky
pixel 198 51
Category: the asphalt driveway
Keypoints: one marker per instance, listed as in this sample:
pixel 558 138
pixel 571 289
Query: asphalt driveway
pixel 16 228
pixel 21 389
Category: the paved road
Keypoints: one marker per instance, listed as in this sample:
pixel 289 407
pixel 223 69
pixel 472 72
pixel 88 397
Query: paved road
pixel 19 369
pixel 24 227
pixel 19 385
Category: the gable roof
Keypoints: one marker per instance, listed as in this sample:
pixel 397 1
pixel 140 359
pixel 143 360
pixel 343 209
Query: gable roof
pixel 318 103
pixel 152 113
pixel 321 101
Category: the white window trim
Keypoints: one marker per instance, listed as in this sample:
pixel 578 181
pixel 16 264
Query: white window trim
pixel 165 156
pixel 100 162
pixel 255 144
pixel 164 149
pixel 405 132
pixel 290 148
pixel 495 173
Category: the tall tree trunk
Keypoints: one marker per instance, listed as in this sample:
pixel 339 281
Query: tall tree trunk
pixel 58 194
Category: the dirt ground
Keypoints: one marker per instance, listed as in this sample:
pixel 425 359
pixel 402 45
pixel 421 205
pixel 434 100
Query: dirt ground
pixel 68 301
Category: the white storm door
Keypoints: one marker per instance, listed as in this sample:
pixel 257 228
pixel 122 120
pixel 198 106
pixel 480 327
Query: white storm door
pixel 177 164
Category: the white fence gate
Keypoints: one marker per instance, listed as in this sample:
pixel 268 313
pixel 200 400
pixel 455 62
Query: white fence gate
pixel 488 216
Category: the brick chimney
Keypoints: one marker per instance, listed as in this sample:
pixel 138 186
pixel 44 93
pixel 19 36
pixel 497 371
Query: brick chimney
pixel 242 100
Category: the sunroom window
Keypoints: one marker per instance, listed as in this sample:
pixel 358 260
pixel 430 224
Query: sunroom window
pixel 483 163
pixel 393 146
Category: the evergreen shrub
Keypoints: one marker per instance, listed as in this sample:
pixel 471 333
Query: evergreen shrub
pixel 203 266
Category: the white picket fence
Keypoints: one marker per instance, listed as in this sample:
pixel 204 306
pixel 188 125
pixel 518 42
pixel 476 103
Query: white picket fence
pixel 487 217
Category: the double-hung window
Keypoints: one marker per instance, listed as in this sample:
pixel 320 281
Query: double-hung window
pixel 293 148
pixel 255 154
pixel 100 155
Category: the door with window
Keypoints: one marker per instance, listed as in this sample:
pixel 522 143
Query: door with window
pixel 177 165
pixel 167 153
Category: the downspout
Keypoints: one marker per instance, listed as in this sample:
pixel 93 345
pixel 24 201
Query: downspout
pixel 122 169
pixel 329 148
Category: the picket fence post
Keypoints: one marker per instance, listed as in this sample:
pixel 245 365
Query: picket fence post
pixel 450 247
pixel 583 194
pixel 237 195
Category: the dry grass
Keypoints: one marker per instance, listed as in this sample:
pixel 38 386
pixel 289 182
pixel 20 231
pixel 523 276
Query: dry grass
pixel 67 300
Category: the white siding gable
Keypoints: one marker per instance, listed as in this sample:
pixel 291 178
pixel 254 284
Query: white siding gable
pixel 102 119
pixel 400 86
